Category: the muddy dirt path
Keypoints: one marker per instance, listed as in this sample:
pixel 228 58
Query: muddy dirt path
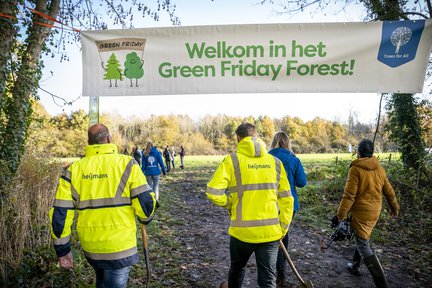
pixel 203 236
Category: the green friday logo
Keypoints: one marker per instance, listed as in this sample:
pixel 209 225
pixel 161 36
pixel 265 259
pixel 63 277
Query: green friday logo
pixel 132 67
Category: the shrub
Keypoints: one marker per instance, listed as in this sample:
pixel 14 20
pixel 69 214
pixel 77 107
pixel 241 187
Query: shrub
pixel 24 213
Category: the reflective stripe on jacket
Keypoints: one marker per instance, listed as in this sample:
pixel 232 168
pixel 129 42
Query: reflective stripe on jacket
pixel 259 200
pixel 107 190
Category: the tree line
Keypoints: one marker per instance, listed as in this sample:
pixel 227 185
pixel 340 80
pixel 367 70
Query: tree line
pixel 65 135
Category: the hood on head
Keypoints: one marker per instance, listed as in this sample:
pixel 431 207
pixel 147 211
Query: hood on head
pixel 251 147
pixel 371 163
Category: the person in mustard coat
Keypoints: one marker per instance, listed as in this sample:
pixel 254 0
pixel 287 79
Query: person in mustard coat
pixel 367 182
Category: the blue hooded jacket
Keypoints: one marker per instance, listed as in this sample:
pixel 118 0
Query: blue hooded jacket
pixel 294 169
pixel 151 163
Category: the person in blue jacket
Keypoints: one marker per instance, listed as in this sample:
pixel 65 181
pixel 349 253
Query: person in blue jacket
pixel 281 149
pixel 151 161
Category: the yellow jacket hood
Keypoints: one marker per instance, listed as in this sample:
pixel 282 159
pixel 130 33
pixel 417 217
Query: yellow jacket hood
pixel 252 147
pixel 97 149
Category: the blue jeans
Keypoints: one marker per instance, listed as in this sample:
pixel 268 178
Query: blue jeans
pixel 112 278
pixel 265 255
pixel 153 181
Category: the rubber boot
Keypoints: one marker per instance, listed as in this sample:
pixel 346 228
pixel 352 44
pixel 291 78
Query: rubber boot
pixel 376 270
pixel 355 265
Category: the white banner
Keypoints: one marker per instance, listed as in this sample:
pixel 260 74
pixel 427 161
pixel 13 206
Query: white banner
pixel 262 58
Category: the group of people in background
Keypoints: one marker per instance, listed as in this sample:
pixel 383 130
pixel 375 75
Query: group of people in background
pixel 169 156
pixel 152 164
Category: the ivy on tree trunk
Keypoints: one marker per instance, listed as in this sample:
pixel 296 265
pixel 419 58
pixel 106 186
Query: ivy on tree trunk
pixel 405 129
pixel 15 103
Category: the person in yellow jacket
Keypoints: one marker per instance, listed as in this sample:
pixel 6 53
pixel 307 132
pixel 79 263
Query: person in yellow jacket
pixel 367 182
pixel 259 203
pixel 107 190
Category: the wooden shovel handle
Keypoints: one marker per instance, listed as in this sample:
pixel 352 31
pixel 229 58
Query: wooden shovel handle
pixel 144 236
pixel 293 268
pixel 147 261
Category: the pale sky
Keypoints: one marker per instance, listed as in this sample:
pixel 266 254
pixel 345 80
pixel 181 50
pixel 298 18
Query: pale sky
pixel 66 81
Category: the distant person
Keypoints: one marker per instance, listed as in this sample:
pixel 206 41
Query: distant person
pixel 259 203
pixel 126 151
pixel 182 155
pixel 167 157
pixel 136 154
pixel 152 160
pixel 106 204
pixel 367 182
pixel 173 154
pixel 281 149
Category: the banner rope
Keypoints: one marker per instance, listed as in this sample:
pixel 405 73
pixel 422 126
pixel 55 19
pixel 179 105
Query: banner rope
pixel 43 15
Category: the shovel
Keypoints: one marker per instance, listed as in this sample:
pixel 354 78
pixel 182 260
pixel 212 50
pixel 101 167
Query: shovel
pixel 308 283
pixel 146 256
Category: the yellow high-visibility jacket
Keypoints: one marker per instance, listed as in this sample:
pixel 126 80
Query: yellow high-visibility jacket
pixel 259 201
pixel 107 190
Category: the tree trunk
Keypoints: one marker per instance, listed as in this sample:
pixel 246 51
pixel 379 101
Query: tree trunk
pixel 8 32
pixel 24 88
pixel 406 130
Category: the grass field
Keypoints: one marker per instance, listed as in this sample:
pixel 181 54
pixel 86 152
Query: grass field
pixel 208 160
pixel 197 161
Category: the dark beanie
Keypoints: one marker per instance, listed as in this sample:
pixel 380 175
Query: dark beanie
pixel 365 148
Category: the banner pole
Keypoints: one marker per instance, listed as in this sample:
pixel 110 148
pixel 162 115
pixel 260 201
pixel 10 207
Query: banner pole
pixel 93 110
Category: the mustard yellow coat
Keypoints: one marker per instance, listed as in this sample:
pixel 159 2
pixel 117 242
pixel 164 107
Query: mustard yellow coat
pixel 367 182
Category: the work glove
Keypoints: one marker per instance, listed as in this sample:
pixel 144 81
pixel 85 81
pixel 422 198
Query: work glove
pixel 334 222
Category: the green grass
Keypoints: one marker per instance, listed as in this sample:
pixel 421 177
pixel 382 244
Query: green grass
pixel 200 162
pixel 332 157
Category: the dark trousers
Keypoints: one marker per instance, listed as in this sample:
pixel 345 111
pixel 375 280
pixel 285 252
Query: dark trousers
pixel 265 256
pixel 281 263
pixel 363 247
pixel 168 164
